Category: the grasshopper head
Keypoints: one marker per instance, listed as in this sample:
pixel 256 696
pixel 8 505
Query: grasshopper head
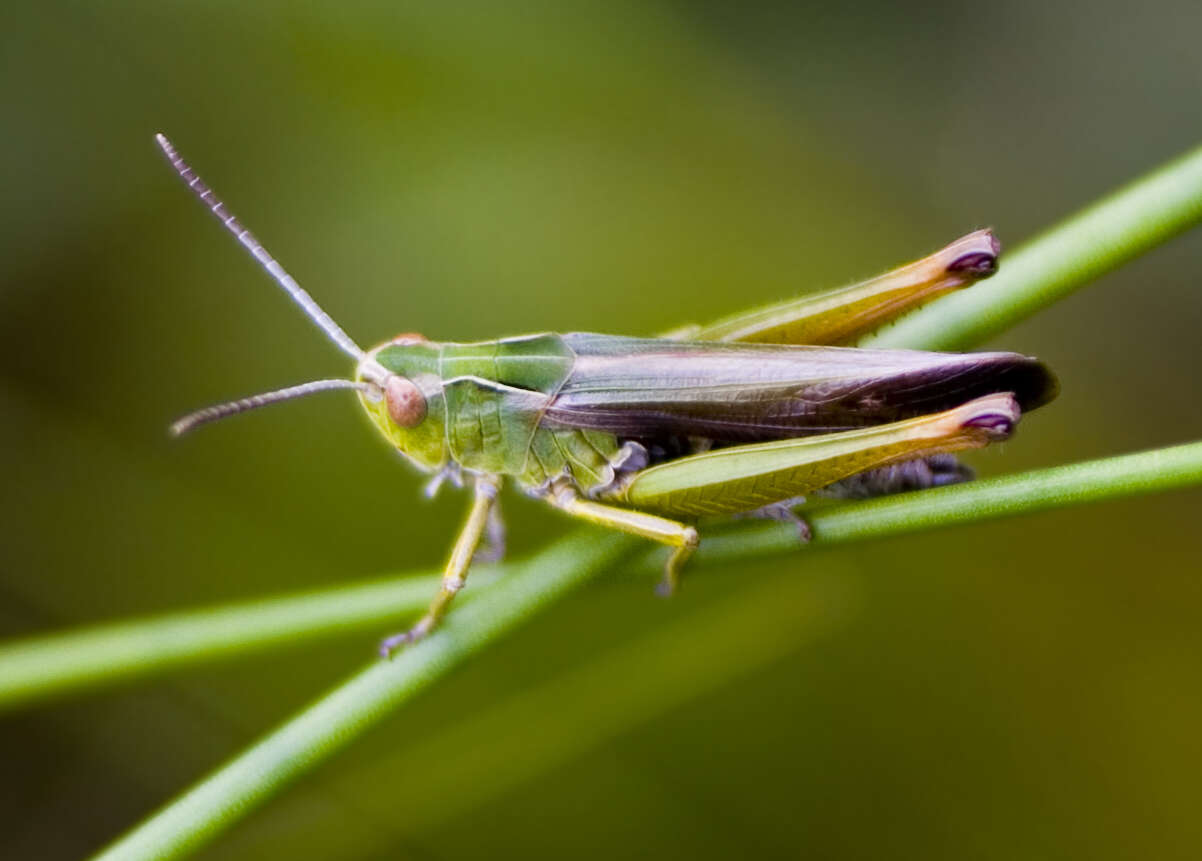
pixel 402 393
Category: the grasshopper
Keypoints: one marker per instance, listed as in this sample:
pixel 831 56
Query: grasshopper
pixel 748 415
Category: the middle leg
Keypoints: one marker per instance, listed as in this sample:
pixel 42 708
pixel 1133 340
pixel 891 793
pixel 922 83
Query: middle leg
pixel 679 536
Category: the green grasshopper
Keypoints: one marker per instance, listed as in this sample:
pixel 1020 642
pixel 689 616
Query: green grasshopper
pixel 748 415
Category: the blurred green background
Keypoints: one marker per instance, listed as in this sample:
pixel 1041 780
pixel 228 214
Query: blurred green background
pixel 1021 689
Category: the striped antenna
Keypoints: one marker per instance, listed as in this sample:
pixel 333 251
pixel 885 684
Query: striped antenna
pixel 220 411
pixel 256 249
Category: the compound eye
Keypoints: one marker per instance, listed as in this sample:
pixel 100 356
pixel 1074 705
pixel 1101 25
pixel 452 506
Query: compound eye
pixel 409 338
pixel 406 404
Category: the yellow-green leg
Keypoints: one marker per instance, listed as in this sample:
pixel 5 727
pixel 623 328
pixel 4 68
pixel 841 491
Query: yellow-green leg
pixel 682 538
pixel 843 315
pixel 455 573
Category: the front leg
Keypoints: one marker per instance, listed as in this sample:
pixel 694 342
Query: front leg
pixel 492 547
pixel 455 573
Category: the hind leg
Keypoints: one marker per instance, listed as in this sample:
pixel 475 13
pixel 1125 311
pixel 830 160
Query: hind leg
pixel 936 470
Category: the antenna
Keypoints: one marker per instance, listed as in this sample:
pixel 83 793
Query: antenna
pixel 256 249
pixel 220 411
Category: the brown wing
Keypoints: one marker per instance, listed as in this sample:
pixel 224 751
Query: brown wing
pixel 653 388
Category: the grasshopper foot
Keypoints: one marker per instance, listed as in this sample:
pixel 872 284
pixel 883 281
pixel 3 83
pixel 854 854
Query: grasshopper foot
pixel 689 539
pixel 783 512
pixel 390 644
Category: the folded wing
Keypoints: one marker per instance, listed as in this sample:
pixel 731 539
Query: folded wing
pixel 733 392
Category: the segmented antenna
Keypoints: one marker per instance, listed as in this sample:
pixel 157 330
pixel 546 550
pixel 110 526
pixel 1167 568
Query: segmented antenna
pixel 256 249
pixel 220 411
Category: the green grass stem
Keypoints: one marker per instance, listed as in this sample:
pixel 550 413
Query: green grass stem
pixel 60 664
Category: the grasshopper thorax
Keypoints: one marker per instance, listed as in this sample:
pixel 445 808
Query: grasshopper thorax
pixel 404 398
